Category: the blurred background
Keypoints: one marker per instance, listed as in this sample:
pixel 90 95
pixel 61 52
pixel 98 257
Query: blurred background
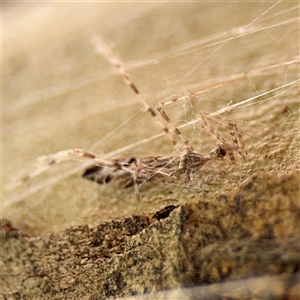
pixel 59 93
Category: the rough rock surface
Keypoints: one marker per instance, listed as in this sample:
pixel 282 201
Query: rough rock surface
pixel 249 236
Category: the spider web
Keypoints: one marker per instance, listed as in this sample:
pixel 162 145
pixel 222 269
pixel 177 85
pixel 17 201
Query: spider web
pixel 232 61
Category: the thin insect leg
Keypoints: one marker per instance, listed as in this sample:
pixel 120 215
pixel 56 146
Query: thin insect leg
pixel 72 154
pixel 172 125
pixel 113 164
pixel 207 125
pixel 223 142
pixel 104 49
pixel 237 139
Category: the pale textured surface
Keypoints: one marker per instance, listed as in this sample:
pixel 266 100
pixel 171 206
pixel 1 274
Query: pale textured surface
pixel 58 94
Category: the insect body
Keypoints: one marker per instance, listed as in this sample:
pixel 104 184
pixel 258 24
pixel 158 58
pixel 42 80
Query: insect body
pixel 127 172
pixel 135 171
